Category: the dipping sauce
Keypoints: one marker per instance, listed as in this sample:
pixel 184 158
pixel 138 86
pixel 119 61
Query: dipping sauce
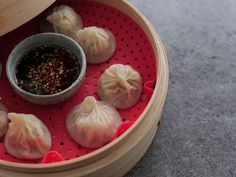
pixel 47 69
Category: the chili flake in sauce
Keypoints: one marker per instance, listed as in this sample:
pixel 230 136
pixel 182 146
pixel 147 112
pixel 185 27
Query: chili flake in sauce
pixel 47 69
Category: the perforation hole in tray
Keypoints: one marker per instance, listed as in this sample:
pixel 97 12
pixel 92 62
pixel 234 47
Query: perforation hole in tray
pixel 133 48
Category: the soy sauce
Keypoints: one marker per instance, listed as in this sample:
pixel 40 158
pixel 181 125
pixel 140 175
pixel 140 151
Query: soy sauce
pixel 47 69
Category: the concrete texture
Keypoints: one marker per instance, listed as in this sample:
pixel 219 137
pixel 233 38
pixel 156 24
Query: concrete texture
pixel 197 134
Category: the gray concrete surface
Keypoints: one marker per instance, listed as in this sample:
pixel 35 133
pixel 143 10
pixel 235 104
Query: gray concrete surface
pixel 197 134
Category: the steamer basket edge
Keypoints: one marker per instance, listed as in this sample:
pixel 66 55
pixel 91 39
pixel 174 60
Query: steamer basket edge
pixel 156 101
pixel 130 156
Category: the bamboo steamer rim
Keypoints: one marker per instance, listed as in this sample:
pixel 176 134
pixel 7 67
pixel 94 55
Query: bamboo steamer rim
pixel 158 48
pixel 14 13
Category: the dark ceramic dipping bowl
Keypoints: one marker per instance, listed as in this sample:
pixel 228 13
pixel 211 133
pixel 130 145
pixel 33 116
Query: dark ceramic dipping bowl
pixel 45 39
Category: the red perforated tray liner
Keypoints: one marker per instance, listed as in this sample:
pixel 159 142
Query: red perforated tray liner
pixel 133 48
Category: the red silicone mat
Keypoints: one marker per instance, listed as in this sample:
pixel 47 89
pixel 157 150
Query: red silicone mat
pixel 133 48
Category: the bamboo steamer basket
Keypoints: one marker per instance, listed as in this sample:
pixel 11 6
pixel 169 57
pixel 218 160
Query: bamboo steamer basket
pixel 14 13
pixel 119 156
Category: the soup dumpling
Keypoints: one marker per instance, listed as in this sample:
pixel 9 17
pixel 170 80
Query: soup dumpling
pixel 93 123
pixel 27 137
pixel 3 119
pixel 120 85
pixel 99 44
pixel 65 20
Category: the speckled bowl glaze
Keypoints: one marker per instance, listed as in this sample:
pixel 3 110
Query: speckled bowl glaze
pixel 38 40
